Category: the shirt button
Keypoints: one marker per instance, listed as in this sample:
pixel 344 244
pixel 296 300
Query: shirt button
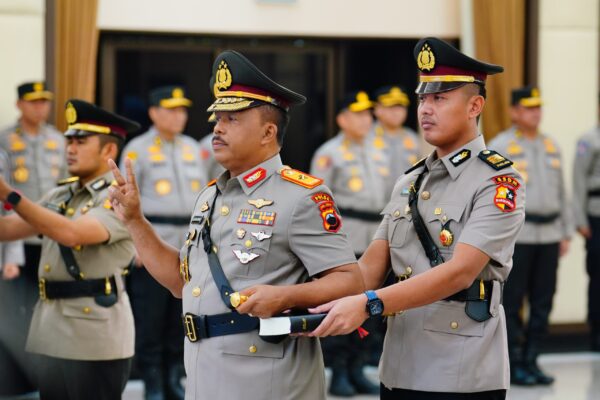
pixel 425 195
pixel 47 267
pixel 70 211
pixel 252 349
pixel 409 270
pixel 196 291
pixel 86 310
pixel 396 213
pixel 224 210
pixel 454 325
pixel 248 243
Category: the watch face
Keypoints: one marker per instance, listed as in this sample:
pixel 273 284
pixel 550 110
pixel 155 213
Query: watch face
pixel 375 308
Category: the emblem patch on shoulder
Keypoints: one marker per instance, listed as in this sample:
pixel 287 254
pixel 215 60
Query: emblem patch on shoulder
pixel 320 197
pixel 331 220
pixel 506 193
pixel 494 159
pixel 460 157
pixel 300 178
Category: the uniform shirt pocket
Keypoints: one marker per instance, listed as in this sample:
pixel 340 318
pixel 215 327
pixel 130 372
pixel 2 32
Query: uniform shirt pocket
pixel 85 309
pixel 251 345
pixel 251 250
pixel 450 318
pixel 444 223
pixel 400 223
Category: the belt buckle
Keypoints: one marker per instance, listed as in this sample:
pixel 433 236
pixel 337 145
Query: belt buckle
pixel 42 289
pixel 190 328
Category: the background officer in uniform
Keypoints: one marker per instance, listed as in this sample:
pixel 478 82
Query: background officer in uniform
pixel 355 166
pixel 170 174
pixel 544 238
pixel 82 325
pixel 11 254
pixel 262 229
pixel 36 162
pixel 400 142
pixel 453 219
pixel 586 212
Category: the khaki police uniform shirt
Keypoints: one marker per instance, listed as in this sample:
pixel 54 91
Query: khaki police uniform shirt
pixel 36 162
pixel 539 162
pixel 437 347
pixel 78 328
pixel 212 167
pixel 286 240
pixel 357 175
pixel 586 178
pixel 403 151
pixel 10 252
pixel 170 176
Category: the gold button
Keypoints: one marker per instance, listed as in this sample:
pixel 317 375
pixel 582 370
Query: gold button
pixel 196 291
pixel 86 310
pixel 47 267
pixel 396 213
pixel 252 349
pixel 70 211
pixel 248 243
pixel 425 195
pixel 408 270
pixel 224 210
pixel 454 325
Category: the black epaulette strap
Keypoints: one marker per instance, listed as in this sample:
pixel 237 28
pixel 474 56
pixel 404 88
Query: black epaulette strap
pixel 494 159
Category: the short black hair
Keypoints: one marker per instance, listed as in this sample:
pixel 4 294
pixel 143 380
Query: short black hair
pixel 277 116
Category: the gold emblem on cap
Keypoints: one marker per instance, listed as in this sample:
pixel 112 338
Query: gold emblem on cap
pixel 177 93
pixel 426 59
pixel 70 114
pixel 223 78
pixel 535 92
pixel 38 87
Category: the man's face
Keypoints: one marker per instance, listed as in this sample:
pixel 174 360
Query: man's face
pixel 392 117
pixel 169 120
pixel 444 117
pixel 527 117
pixel 85 157
pixel 355 124
pixel 35 111
pixel 238 137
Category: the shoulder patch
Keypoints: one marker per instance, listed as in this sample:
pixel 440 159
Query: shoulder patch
pixel 418 164
pixel 66 181
pixel 494 159
pixel 301 178
pixel 460 157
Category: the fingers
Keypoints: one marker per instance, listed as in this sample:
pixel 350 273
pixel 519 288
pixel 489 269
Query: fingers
pixel 116 173
pixel 323 308
pixel 324 327
pixel 130 175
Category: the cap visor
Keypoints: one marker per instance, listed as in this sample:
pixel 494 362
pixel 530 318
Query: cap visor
pixel 393 102
pixel 38 96
pixel 531 102
pixel 79 133
pixel 175 102
pixel 362 106
pixel 233 104
pixel 437 87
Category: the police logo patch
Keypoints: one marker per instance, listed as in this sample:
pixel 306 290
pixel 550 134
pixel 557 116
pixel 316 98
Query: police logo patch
pixel 460 157
pixel 506 193
pixel 331 220
pixel 254 217
pixel 321 197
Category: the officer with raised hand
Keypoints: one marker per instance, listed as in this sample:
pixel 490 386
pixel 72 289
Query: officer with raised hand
pixel 257 237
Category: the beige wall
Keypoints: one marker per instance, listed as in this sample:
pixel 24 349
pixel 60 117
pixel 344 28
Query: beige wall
pixel 568 75
pixel 22 49
pixel 374 18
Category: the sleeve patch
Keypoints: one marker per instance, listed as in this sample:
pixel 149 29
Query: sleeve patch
pixel 301 178
pixel 331 220
pixel 320 197
pixel 505 197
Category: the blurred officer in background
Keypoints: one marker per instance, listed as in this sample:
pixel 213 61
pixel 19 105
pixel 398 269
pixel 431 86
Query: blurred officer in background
pixel 544 238
pixel 170 174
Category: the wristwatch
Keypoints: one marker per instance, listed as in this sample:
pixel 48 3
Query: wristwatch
pixel 374 304
pixel 12 200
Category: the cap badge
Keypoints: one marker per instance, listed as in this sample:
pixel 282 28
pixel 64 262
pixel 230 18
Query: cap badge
pixel 70 114
pixel 426 59
pixel 177 93
pixel 535 92
pixel 38 87
pixel 223 78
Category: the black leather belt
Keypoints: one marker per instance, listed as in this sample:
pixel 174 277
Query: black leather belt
pixel 363 215
pixel 541 219
pixel 475 292
pixel 594 193
pixel 71 289
pixel 168 220
pixel 198 327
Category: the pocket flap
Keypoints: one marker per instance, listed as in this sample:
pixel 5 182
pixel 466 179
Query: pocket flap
pixel 452 212
pixel 84 308
pixel 251 345
pixel 450 317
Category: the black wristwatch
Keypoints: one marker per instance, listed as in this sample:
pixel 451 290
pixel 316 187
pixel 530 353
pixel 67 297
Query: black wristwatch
pixel 13 199
pixel 374 304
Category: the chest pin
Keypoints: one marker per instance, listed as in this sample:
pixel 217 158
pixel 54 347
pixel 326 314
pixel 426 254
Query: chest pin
pixel 446 236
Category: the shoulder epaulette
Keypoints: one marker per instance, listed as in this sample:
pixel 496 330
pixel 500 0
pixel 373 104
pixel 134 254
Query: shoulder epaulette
pixel 416 165
pixel 100 184
pixel 494 159
pixel 66 181
pixel 211 183
pixel 300 178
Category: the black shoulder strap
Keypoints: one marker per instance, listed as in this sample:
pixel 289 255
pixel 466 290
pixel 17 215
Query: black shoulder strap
pixel 418 164
pixel 494 159
pixel 216 269
pixel 431 250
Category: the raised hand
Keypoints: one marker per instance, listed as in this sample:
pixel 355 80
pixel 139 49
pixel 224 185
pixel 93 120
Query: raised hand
pixel 124 195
